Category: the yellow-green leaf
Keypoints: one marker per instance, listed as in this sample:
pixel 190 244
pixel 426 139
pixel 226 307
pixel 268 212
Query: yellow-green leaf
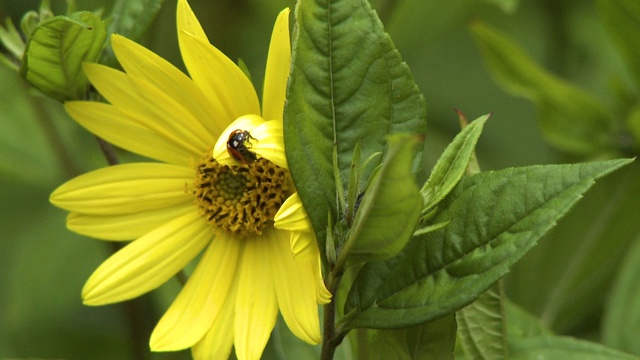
pixel 56 50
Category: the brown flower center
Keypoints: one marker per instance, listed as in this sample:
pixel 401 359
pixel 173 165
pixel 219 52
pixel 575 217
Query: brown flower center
pixel 241 199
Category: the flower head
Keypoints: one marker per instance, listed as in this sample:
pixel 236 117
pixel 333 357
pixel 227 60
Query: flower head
pixel 219 183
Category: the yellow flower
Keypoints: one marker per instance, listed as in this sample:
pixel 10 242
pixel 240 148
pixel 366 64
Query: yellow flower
pixel 201 197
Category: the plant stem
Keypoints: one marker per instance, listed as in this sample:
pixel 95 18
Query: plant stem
pixel 52 135
pixel 330 339
pixel 108 151
pixel 182 278
pixel 328 346
pixel 133 308
pixel 135 322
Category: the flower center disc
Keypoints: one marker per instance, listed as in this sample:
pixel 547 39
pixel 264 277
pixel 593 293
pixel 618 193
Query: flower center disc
pixel 241 199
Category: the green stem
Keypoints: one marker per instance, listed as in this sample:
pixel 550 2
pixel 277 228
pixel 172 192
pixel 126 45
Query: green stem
pixel 329 344
pixel 133 309
pixel 182 278
pixel 108 151
pixel 136 323
pixel 53 137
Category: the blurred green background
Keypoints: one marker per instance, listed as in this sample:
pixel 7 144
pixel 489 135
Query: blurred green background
pixel 566 280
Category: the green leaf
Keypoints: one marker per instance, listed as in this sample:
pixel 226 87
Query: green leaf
pixel 56 50
pixel 353 190
pixel 621 324
pixel 561 347
pixel 340 96
pixel 390 208
pixel 432 341
pixel 565 279
pixel 482 327
pixel 496 217
pixel 570 119
pixel 29 22
pixel 622 20
pixel 11 40
pixel 430 228
pixel 452 164
pixel 131 19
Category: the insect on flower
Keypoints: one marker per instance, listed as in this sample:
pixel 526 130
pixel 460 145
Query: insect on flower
pixel 237 146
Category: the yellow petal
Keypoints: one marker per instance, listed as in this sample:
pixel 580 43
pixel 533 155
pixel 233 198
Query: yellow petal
pixel 149 261
pixel 256 305
pixel 246 122
pixel 150 107
pixel 125 189
pixel 201 300
pixel 303 245
pixel 270 144
pixel 187 21
pixel 141 63
pixel 217 342
pixel 277 71
pixel 292 216
pixel 323 296
pixel 124 131
pixel 126 226
pixel 296 298
pixel 226 86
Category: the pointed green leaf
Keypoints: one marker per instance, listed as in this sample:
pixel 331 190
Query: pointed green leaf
pixel 391 206
pixel 8 62
pixel 452 164
pixel 45 12
pixel 482 327
pixel 11 40
pixel 622 19
pixel 621 324
pixel 131 19
pixel 496 217
pixel 348 84
pixel 29 22
pixel 581 256
pixel 56 50
pixel 430 228
pixel 570 119
pixel 353 190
